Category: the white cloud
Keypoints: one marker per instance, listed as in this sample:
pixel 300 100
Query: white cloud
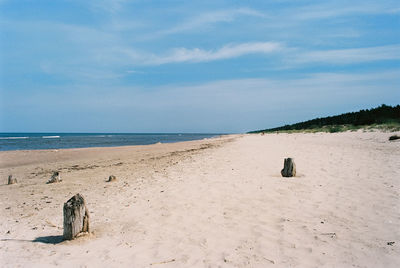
pixel 134 72
pixel 204 20
pixel 210 18
pixel 111 6
pixel 340 8
pixel 349 56
pixel 226 52
pixel 294 57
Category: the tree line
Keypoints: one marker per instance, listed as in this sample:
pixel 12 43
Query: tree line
pixel 380 115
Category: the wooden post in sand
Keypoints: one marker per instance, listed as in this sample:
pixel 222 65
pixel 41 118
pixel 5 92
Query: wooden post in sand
pixel 289 168
pixel 55 177
pixel 112 178
pixel 11 180
pixel 76 217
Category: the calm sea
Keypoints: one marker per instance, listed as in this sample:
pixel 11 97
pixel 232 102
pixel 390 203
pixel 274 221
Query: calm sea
pixel 35 141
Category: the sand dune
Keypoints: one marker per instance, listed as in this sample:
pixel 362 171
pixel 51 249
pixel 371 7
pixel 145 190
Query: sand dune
pixel 212 203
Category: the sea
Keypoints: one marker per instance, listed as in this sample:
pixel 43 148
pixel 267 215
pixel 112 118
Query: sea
pixel 39 141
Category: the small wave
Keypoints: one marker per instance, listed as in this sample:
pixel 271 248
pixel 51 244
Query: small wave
pixel 50 137
pixel 13 138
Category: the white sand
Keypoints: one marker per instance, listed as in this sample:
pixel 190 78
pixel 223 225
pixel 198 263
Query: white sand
pixel 226 205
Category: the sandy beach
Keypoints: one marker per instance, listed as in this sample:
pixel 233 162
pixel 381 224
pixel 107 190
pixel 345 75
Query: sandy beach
pixel 210 203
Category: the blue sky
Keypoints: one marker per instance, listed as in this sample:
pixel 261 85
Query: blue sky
pixel 193 66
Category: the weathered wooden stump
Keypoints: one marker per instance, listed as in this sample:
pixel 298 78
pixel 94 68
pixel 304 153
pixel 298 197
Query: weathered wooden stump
pixel 76 217
pixel 112 178
pixel 289 168
pixel 55 177
pixel 11 180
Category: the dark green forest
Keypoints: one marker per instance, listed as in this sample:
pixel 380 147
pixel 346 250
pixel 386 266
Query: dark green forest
pixel 382 115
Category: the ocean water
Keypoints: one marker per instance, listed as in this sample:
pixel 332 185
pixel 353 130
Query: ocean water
pixel 36 141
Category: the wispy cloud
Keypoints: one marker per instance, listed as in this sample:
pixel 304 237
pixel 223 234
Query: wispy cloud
pixel 210 18
pixel 349 56
pixel 226 52
pixel 339 8
pixel 293 57
pixel 204 20
pixel 111 6
pixel 134 72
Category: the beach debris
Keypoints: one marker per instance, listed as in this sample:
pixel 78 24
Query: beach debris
pixel 289 168
pixel 162 262
pixel 11 180
pixel 76 217
pixel 390 243
pixel 52 224
pixel 112 178
pixel 394 137
pixel 55 177
pixel 271 261
pixel 332 235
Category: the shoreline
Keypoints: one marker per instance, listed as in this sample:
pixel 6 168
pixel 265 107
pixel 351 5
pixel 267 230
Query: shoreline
pixel 100 147
pixel 90 140
pixel 13 156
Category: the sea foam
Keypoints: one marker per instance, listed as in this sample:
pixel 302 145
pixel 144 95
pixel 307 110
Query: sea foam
pixel 13 138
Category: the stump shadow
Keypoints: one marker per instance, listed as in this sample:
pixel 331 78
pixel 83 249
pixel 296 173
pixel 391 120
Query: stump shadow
pixel 52 239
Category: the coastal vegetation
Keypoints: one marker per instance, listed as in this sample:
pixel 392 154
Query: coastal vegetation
pixel 384 117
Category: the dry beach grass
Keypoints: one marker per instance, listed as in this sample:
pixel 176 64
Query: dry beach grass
pixel 212 203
